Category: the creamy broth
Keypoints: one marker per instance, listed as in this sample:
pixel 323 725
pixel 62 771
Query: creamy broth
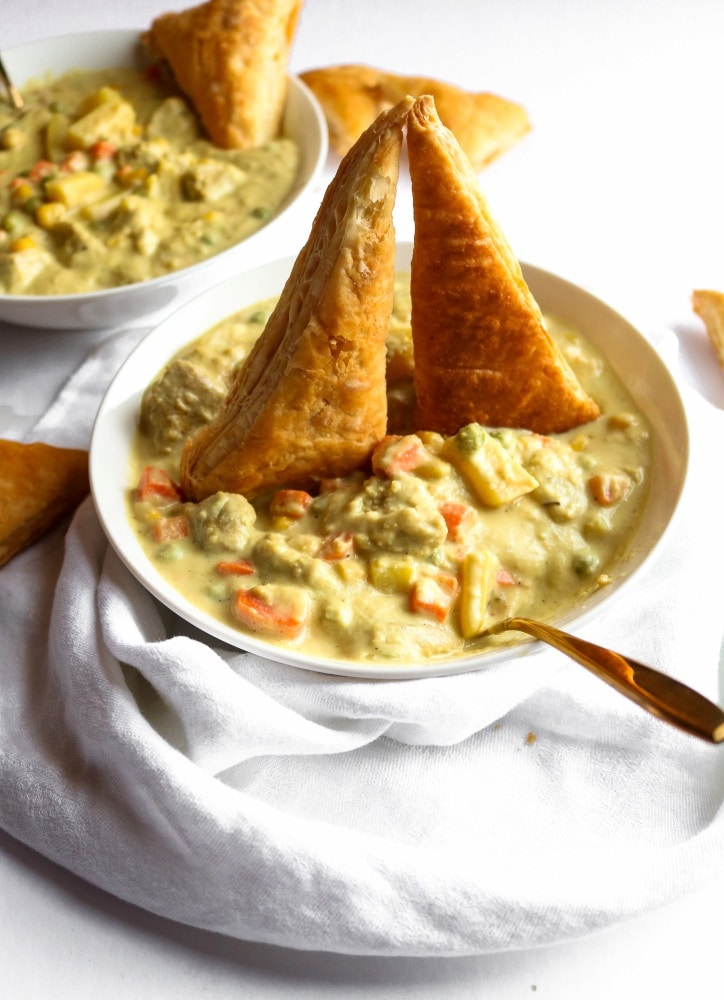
pixel 412 557
pixel 108 180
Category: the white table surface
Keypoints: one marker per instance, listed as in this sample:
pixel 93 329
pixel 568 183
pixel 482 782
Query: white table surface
pixel 619 188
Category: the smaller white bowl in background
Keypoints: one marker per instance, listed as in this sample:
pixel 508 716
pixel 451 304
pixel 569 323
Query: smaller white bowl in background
pixel 303 122
pixel 637 364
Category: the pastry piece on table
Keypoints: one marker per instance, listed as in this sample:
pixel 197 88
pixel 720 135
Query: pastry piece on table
pixel 230 58
pixel 310 400
pixel 482 352
pixel 39 484
pixel 352 96
pixel 709 306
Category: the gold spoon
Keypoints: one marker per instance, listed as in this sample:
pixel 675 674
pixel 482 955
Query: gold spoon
pixel 664 697
pixel 13 92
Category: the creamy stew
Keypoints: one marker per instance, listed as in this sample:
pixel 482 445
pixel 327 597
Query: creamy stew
pixel 107 180
pixel 412 557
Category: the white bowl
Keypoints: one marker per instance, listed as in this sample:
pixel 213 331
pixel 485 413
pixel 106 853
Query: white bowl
pixel 634 359
pixel 303 122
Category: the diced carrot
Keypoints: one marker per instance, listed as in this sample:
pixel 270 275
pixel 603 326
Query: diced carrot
pixel 102 150
pixel 397 453
pixel 289 503
pixel 235 567
pixel 42 169
pixel 504 578
pixel 167 529
pixel 434 593
pixel 607 488
pixel 335 547
pixel 258 613
pixel 459 518
pixel 156 486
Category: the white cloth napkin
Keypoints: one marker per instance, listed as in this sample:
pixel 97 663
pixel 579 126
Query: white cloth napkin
pixel 523 804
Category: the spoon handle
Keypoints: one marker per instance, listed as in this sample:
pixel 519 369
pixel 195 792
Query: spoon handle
pixel 13 93
pixel 663 696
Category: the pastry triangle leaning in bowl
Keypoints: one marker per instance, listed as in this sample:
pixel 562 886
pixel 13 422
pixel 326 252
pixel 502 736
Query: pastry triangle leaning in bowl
pixel 310 400
pixel 482 352
pixel 230 59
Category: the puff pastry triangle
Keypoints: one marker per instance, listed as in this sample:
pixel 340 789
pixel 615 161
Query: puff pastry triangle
pixel 482 352
pixel 352 96
pixel 310 400
pixel 708 304
pixel 39 485
pixel 230 59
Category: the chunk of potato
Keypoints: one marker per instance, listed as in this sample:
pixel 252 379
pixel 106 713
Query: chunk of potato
pixel 76 189
pixel 492 472
pixel 112 120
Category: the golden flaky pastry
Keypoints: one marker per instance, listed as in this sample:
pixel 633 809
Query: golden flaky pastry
pixel 482 352
pixel 230 58
pixel 352 96
pixel 39 484
pixel 709 306
pixel 310 401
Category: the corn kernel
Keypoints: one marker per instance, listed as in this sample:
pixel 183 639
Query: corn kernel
pixel 22 243
pixel 49 214
pixel 127 175
pixel 21 192
pixel 13 138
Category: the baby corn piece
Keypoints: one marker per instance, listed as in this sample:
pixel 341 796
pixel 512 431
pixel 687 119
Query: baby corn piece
pixel 479 573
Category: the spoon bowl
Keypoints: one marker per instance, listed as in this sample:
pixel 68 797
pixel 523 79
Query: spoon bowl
pixel 659 694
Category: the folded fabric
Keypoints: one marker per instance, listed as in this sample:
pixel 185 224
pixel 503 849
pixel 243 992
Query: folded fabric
pixel 521 804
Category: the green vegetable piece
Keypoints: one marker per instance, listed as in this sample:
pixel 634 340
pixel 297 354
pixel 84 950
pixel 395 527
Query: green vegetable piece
pixel 584 562
pixel 470 438
pixel 15 222
pixel 170 552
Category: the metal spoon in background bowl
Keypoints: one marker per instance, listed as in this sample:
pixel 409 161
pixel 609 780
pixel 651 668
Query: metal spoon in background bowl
pixel 659 694
pixel 13 93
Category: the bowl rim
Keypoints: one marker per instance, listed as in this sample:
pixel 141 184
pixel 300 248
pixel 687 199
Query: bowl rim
pixel 115 422
pixel 311 174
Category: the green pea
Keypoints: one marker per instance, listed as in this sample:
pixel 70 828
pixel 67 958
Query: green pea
pixel 217 590
pixel 32 205
pixel 584 562
pixel 260 316
pixel 15 222
pixel 469 438
pixel 170 552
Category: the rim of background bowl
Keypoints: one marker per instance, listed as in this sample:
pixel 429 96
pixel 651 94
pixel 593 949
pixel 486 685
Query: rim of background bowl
pixel 658 398
pixel 123 46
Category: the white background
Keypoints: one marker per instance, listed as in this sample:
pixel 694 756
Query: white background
pixel 619 188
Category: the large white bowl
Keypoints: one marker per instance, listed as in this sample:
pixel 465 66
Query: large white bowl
pixel 303 122
pixel 631 355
